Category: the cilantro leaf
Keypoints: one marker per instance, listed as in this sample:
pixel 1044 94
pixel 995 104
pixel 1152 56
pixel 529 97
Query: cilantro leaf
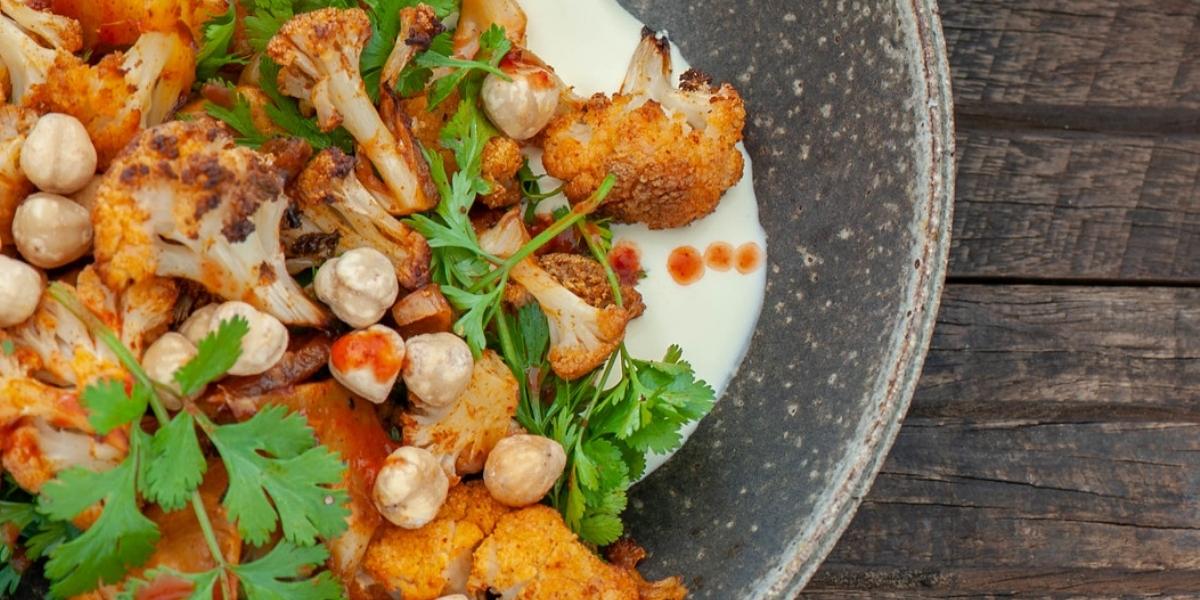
pixel 601 529
pixel 278 475
pixel 240 119
pixel 215 355
pixel 204 584
pixel 175 465
pixel 493 46
pixel 271 576
pixel 214 47
pixel 121 538
pixel 110 406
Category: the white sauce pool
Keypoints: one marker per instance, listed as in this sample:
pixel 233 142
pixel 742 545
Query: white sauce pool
pixel 589 43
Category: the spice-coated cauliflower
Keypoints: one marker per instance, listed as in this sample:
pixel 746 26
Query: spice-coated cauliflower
pixel 184 201
pixel 435 560
pixel 674 151
pixel 532 555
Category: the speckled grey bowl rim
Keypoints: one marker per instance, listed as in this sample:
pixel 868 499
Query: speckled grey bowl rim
pixel 841 501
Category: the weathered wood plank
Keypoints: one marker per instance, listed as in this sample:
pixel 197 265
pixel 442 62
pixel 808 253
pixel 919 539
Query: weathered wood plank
pixel 1028 507
pixel 1075 53
pixel 1063 205
pixel 1064 353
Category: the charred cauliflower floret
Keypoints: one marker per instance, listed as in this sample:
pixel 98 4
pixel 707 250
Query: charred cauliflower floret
pixel 581 335
pixel 319 52
pixel 184 201
pixel 501 160
pixel 673 150
pixel 532 555
pixel 463 436
pixel 418 26
pixel 435 560
pixel 15 123
pixel 336 202
pixel 27 61
pixel 124 93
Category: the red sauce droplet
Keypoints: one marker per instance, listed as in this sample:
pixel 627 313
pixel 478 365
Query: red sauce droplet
pixel 686 265
pixel 749 258
pixel 719 256
pixel 367 350
pixel 626 261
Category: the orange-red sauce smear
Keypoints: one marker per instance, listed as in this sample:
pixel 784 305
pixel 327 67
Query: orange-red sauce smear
pixel 719 256
pixel 685 265
pixel 626 261
pixel 367 349
pixel 748 258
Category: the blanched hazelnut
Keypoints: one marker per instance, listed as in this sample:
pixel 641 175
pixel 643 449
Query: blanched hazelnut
pixel 20 291
pixel 368 362
pixel 58 156
pixel 523 106
pixel 438 368
pixel 359 286
pixel 51 231
pixel 262 347
pixel 410 488
pixel 521 469
pixel 197 325
pixel 163 358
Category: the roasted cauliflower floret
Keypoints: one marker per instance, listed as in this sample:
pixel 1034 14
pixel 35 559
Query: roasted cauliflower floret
pixel 28 62
pixel 319 52
pixel 15 123
pixel 54 30
pixel 418 26
pixel 124 93
pixel 532 555
pixel 435 560
pixel 581 336
pixel 674 151
pixel 502 159
pixel 482 416
pixel 586 278
pixel 184 201
pixel 117 23
pixel 333 199
pixel 626 554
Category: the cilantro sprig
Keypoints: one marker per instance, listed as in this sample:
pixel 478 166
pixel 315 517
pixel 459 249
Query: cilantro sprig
pixel 280 480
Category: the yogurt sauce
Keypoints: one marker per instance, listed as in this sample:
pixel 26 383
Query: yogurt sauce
pixel 589 43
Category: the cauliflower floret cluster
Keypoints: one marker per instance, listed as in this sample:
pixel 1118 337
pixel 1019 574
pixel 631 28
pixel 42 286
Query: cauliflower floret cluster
pixel 482 415
pixel 184 201
pixel 532 555
pixel 319 52
pixel 435 560
pixel 15 123
pixel 674 151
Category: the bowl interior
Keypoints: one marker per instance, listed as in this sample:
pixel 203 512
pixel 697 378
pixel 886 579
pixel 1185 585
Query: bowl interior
pixel 851 137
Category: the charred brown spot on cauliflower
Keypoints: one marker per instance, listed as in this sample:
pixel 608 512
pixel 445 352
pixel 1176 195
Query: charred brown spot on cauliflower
pixel 673 150
pixel 532 555
pixel 501 160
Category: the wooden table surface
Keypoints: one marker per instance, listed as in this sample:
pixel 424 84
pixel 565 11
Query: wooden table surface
pixel 1053 446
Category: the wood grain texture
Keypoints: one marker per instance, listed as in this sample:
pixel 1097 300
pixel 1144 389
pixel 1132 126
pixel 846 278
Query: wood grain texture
pixel 1028 506
pixel 1064 353
pixel 1075 53
pixel 1064 205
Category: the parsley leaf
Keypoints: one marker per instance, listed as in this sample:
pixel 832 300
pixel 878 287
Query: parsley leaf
pixel 278 474
pixel 240 119
pixel 121 538
pixel 285 113
pixel 271 576
pixel 493 46
pixel 111 406
pixel 175 465
pixel 214 46
pixel 215 355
